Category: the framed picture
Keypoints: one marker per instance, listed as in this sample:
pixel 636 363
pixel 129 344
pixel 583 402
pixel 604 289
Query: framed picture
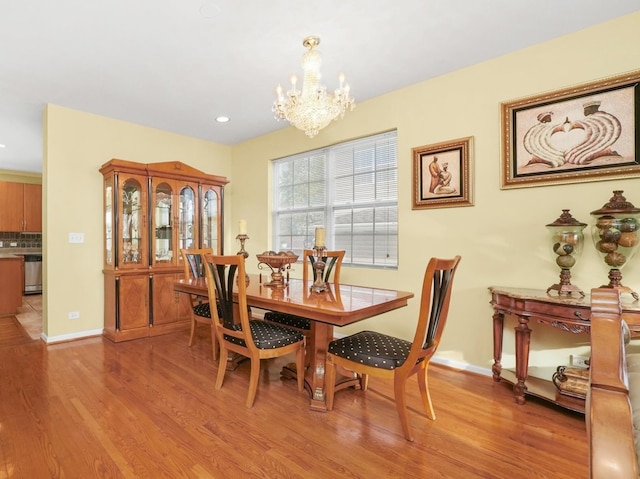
pixel 589 132
pixel 442 175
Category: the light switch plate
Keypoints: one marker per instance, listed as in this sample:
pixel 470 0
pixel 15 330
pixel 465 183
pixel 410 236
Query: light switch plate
pixel 76 237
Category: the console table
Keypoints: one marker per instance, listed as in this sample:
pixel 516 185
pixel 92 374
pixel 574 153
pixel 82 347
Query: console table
pixel 567 313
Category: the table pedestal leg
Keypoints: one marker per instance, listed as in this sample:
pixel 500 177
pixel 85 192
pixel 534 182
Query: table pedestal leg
pixel 234 360
pixel 319 336
pixel 523 341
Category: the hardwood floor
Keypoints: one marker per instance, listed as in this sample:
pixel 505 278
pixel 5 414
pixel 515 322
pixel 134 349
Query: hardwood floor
pixel 148 409
pixel 30 315
pixel 12 333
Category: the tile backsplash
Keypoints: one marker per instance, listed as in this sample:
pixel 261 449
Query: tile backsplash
pixel 20 240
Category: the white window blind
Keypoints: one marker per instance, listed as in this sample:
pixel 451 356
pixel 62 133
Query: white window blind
pixel 351 189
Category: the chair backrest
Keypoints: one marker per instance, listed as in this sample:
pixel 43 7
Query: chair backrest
pixel 221 272
pixel 434 307
pixel 332 261
pixel 192 260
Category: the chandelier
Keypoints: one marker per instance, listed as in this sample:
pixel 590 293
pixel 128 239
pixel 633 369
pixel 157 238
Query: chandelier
pixel 311 109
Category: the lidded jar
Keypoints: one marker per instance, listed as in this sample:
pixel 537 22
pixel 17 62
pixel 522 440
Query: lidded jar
pixel 567 241
pixel 615 235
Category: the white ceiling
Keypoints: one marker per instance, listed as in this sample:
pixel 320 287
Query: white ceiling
pixel 178 64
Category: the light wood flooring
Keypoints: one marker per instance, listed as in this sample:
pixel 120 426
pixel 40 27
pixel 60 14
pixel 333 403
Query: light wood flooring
pixel 30 315
pixel 148 409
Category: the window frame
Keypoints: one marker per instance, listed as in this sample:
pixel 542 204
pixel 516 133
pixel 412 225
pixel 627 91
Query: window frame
pixel 299 221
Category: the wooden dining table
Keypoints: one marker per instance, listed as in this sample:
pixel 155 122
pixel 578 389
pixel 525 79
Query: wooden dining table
pixel 340 305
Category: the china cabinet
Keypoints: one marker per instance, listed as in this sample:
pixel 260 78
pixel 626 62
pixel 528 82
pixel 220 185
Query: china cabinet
pixel 151 211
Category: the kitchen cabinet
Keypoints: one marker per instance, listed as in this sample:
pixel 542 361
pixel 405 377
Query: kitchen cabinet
pixel 11 274
pixel 20 207
pixel 32 208
pixel 151 211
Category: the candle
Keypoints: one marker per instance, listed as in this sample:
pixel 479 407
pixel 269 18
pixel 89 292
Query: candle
pixel 243 227
pixel 320 236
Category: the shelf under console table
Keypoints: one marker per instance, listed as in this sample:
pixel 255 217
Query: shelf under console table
pixel 567 313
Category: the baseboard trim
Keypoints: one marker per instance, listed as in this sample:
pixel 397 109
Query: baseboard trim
pixel 71 336
pixel 461 366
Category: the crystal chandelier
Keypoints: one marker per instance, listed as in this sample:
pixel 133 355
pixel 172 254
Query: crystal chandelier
pixel 311 109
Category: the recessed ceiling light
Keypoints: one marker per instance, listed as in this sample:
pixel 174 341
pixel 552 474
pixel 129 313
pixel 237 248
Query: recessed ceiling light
pixel 222 119
pixel 209 10
pixel 2 146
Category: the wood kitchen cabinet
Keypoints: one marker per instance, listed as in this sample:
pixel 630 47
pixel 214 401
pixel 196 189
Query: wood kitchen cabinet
pixel 20 207
pixel 151 211
pixel 32 208
pixel 11 273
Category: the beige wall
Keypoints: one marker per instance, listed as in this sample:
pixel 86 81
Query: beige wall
pixel 76 145
pixel 502 239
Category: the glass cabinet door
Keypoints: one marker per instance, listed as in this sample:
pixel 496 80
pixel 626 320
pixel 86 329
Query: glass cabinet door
pixel 210 219
pixel 163 218
pixel 187 218
pixel 108 220
pixel 132 222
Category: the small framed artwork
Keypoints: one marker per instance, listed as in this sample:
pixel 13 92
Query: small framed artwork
pixel 442 175
pixel 589 132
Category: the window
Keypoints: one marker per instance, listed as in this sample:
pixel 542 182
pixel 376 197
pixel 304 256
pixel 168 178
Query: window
pixel 351 189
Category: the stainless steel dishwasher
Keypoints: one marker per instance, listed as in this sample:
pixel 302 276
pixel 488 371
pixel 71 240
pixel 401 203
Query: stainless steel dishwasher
pixel 32 274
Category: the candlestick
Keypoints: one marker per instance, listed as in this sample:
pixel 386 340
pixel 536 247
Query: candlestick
pixel 319 285
pixel 320 236
pixel 242 238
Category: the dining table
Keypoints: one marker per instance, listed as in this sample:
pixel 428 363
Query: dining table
pixel 340 305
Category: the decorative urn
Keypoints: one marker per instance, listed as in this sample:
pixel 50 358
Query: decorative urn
pixel 566 244
pixel 615 235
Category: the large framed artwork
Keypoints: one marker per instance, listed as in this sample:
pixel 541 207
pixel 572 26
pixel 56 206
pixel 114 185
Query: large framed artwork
pixel 442 174
pixel 585 133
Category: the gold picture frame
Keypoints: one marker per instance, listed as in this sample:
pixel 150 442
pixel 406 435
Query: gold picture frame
pixel 442 174
pixel 589 132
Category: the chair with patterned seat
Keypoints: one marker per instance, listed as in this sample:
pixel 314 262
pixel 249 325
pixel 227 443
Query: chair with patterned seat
pixel 376 354
pixel 236 332
pixel 193 261
pixel 333 264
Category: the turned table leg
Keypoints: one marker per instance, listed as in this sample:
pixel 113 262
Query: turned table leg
pixel 498 324
pixel 523 341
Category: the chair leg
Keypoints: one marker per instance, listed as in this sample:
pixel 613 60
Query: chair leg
pixel 253 381
pixel 423 383
pixel 214 341
pixel 401 405
pixel 193 331
pixel 330 381
pixel 364 381
pixel 300 366
pixel 222 366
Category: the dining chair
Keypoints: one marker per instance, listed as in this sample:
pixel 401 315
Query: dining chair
pixel 236 332
pixel 333 264
pixel 371 353
pixel 193 262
